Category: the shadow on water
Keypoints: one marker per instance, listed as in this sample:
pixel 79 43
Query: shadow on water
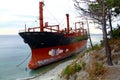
pixel 46 68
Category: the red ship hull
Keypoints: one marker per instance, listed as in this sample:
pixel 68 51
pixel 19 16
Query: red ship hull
pixel 48 55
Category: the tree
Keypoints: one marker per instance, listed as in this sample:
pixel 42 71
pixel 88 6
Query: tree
pixel 113 9
pixel 98 10
pixel 107 46
pixel 89 34
pixel 94 10
pixel 116 6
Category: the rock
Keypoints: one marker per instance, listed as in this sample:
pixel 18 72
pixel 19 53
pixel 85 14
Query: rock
pixel 82 75
pixel 118 62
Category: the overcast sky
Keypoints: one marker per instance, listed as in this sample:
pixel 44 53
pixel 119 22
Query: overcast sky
pixel 14 14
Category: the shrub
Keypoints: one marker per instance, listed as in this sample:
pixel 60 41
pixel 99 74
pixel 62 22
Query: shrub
pixel 101 43
pixel 116 33
pixel 89 49
pixel 96 70
pixel 96 46
pixel 83 65
pixel 70 70
pixel 95 55
pixel 77 67
pixel 67 70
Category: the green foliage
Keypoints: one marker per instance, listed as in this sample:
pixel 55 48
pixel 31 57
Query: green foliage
pixel 77 67
pixel 80 38
pixel 110 2
pixel 96 46
pixel 88 49
pixel 94 7
pixel 83 65
pixel 71 69
pixel 114 4
pixel 117 11
pixel 116 33
pixel 101 43
pixel 67 70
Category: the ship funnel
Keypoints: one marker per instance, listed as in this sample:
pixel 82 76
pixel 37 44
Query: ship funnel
pixel 68 25
pixel 41 15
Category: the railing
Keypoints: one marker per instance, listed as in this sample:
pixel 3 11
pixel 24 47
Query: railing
pixel 55 28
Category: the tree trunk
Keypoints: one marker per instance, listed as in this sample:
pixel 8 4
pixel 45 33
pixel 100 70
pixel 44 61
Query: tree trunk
pixel 89 34
pixel 110 23
pixel 107 46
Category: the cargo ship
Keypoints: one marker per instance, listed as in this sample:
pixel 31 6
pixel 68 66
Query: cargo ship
pixel 53 44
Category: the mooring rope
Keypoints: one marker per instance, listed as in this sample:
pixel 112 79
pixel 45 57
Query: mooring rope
pixel 23 60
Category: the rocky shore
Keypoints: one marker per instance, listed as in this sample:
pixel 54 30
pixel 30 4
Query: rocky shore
pixel 92 65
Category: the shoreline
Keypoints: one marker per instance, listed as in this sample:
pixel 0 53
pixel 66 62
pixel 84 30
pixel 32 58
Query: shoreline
pixel 54 73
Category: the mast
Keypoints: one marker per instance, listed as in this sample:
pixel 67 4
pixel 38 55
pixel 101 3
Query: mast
pixel 68 25
pixel 41 15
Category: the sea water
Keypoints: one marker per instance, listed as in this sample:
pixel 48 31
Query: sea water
pixel 95 38
pixel 14 57
pixel 12 52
